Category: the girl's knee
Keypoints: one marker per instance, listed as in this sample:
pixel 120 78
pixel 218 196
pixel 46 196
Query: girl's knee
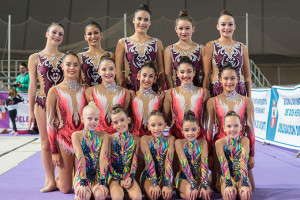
pixel 137 197
pixel 65 189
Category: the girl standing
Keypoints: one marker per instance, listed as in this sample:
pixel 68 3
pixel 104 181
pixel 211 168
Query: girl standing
pixel 107 94
pixel 134 51
pixel 46 67
pixel 90 148
pixel 146 99
pixel 184 47
pixel 12 105
pixel 192 179
pixel 90 60
pixel 156 179
pixel 225 49
pixel 65 102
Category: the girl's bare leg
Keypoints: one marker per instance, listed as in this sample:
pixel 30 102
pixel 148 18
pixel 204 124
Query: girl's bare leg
pixel 65 172
pixel 251 179
pixel 116 191
pixel 134 191
pixel 40 116
pixel 184 189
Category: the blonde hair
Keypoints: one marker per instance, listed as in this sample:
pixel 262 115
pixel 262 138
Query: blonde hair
pixel 12 92
pixel 92 107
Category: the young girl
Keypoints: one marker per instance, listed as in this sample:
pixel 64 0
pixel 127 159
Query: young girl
pixel 65 102
pixel 134 51
pixel 192 154
pixel 12 105
pixel 156 179
pixel 90 60
pixel 222 50
pixel 107 94
pixel 124 151
pixel 185 97
pixel 146 99
pixel 90 148
pixel 217 107
pixel 233 154
pixel 46 67
pixel 184 47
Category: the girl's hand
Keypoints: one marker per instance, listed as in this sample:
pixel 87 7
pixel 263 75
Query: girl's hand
pixel 155 192
pixel 122 183
pixel 132 94
pixel 167 193
pixel 81 192
pixel 57 160
pixel 56 122
pixel 205 194
pixel 230 193
pixel 31 120
pixel 161 95
pixel 104 190
pixel 127 183
pixel 246 193
pixel 194 194
pixel 251 162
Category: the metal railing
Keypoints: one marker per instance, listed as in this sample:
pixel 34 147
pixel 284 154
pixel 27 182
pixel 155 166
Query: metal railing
pixel 257 77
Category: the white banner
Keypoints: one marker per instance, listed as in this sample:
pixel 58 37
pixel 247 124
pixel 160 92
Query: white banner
pixel 261 102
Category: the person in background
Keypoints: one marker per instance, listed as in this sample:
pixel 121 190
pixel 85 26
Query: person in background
pixel 22 82
pixel 11 105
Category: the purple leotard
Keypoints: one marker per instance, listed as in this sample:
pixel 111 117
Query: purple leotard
pixel 90 70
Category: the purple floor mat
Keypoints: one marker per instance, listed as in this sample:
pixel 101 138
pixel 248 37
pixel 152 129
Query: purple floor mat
pixel 277 175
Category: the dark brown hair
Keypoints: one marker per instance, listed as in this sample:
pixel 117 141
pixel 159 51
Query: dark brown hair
pixel 225 12
pixel 55 24
pixel 70 53
pixel 189 116
pixel 228 66
pixel 156 113
pixel 143 7
pixel 150 64
pixel 106 56
pixel 183 15
pixel 186 59
pixel 117 109
pixel 232 114
pixel 93 23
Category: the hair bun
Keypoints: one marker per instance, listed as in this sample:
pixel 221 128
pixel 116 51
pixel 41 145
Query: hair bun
pixel 189 113
pixel 227 64
pixel 185 59
pixel 105 55
pixel 155 112
pixel 225 12
pixel 70 52
pixel 183 13
pixel 93 104
pixel 144 7
pixel 116 107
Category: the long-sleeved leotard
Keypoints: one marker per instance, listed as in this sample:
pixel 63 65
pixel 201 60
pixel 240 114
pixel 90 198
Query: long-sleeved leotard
pixel 106 96
pixel 124 152
pixel 181 99
pixel 49 73
pixel 142 105
pixel 194 163
pixel 233 154
pixel 219 106
pixel 89 68
pixel 93 148
pixel 158 152
pixel 136 54
pixel 65 101
pixel 194 54
pixel 224 53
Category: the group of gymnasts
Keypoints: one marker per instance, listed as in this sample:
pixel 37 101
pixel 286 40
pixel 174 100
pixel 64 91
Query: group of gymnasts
pixel 104 129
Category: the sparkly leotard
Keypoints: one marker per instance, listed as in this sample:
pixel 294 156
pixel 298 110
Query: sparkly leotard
pixel 194 164
pixel 50 73
pixel 233 160
pixel 106 96
pixel 158 162
pixel 195 57
pixel 141 109
pixel 179 105
pixel 124 150
pixel 90 66
pixel 234 55
pixel 218 108
pixel 91 144
pixel 68 110
pixel 135 60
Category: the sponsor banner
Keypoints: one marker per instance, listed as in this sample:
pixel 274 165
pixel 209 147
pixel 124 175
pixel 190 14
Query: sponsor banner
pixel 22 117
pixel 261 102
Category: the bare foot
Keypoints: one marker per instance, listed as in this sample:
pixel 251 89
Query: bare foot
pixel 49 188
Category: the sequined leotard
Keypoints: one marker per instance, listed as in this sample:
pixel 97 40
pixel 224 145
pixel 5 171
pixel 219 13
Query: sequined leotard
pixel 135 60
pixel 195 56
pixel 65 102
pixel 124 151
pixel 158 152
pixel 234 55
pixel 106 96
pixel 49 73
pixel 194 163
pixel 233 160
pixel 89 171
pixel 219 106
pixel 142 105
pixel 179 100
